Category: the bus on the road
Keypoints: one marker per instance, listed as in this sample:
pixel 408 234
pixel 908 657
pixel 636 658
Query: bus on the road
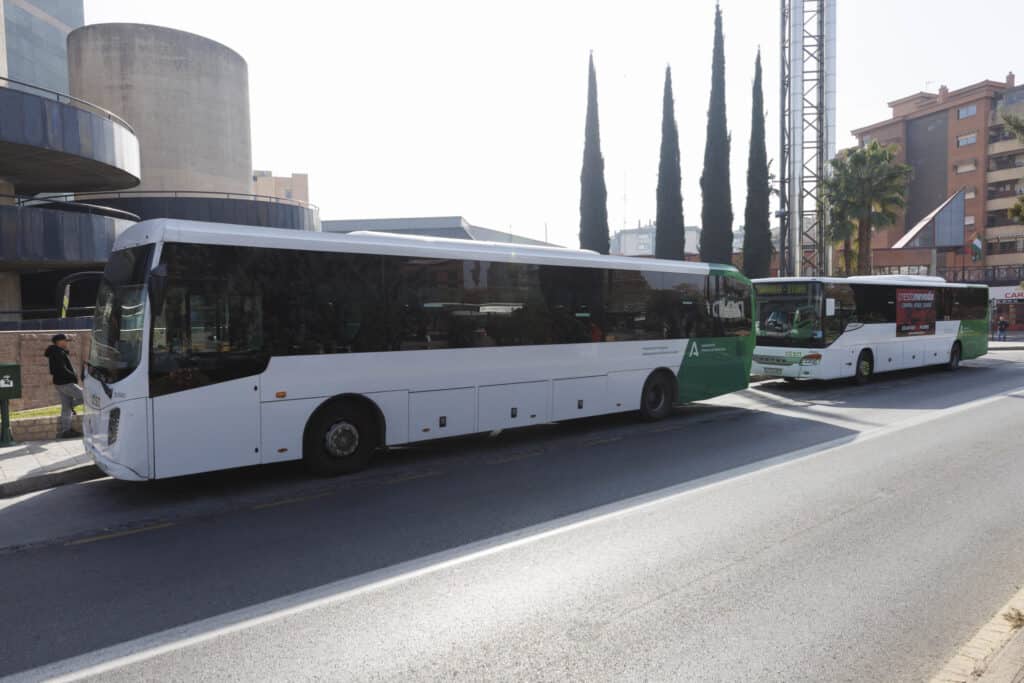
pixel 219 346
pixel 829 328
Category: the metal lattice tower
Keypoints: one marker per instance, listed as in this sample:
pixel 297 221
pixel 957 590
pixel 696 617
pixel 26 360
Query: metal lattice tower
pixel 807 133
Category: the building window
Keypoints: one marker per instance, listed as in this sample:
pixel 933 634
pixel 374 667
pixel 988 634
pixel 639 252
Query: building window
pixel 970 193
pixel 1011 246
pixel 965 140
pixel 968 220
pixel 967 111
pixel 966 167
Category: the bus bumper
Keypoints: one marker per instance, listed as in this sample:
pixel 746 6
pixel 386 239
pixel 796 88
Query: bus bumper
pixel 115 436
pixel 786 363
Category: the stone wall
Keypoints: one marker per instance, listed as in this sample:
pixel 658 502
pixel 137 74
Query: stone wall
pixel 26 349
pixel 39 428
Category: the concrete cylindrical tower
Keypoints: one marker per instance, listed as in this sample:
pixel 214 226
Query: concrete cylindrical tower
pixel 186 96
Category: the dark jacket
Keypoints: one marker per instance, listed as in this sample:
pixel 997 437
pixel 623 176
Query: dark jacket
pixel 60 365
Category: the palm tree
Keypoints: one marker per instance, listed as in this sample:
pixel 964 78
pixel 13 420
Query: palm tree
pixel 841 230
pixel 868 189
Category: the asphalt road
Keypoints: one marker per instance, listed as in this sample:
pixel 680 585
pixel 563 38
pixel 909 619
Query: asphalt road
pixel 810 532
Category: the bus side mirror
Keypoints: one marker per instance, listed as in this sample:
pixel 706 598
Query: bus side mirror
pixel 158 287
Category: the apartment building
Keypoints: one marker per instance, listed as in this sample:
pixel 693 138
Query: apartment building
pixel 956 140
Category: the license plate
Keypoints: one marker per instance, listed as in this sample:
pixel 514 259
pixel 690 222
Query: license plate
pixel 774 372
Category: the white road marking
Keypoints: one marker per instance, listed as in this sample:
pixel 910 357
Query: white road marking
pixel 180 637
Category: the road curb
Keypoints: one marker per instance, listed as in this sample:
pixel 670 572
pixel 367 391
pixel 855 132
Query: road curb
pixel 976 655
pixel 1008 665
pixel 71 475
pixel 1006 348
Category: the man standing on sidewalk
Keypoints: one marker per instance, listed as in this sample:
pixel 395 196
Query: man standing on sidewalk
pixel 66 381
pixel 1001 328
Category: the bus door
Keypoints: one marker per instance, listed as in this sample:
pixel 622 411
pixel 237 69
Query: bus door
pixel 205 379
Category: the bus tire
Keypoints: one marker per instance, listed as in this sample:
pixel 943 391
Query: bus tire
pixel 657 396
pixel 955 353
pixel 340 438
pixel 865 367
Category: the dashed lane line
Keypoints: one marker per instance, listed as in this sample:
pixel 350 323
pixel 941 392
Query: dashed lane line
pixel 119 534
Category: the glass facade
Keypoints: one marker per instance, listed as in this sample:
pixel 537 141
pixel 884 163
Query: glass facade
pixel 36 33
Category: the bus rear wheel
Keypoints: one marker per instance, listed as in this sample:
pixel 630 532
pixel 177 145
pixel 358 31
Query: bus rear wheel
pixel 865 367
pixel 954 357
pixel 657 397
pixel 340 439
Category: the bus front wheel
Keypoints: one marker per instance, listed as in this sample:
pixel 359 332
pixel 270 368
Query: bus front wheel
pixel 865 367
pixel 657 396
pixel 340 439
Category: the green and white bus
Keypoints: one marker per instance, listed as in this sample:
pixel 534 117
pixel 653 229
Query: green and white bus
pixel 828 328
pixel 219 346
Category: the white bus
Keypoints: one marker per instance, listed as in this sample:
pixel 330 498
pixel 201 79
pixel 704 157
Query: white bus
pixel 219 346
pixel 828 328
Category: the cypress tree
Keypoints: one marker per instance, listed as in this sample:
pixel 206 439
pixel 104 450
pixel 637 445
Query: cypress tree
pixel 593 193
pixel 716 212
pixel 669 236
pixel 757 236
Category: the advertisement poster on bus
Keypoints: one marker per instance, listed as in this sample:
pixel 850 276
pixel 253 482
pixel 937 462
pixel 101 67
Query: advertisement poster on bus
pixel 915 312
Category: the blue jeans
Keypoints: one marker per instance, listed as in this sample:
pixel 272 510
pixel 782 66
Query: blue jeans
pixel 1001 335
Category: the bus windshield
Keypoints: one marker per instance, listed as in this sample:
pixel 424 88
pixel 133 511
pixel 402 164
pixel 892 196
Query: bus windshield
pixel 120 310
pixel 789 314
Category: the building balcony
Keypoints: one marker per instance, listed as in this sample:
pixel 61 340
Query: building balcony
pixel 1004 174
pixel 998 218
pixel 1003 146
pixel 1001 203
pixel 995 275
pixel 1005 232
pixel 52 142
pixel 215 207
pixel 1010 259
pixel 45 234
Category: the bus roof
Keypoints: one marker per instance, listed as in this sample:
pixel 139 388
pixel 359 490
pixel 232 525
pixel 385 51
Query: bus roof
pixel 906 280
pixel 364 242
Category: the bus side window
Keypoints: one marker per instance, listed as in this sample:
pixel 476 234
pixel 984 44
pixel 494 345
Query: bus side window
pixel 730 306
pixel 845 314
pixel 943 304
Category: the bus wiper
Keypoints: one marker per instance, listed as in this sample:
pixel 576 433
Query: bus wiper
pixel 99 373
pixel 106 388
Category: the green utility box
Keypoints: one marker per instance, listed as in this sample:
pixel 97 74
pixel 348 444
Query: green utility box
pixel 10 387
pixel 10 381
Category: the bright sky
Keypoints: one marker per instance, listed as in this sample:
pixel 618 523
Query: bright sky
pixel 477 108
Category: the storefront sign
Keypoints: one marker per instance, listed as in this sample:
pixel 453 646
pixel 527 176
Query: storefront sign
pixel 1006 294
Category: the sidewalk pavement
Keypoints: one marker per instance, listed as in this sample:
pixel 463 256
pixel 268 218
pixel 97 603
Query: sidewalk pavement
pixel 1008 665
pixel 1006 345
pixel 36 465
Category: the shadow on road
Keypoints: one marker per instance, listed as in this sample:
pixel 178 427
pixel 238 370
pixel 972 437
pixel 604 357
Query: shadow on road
pixel 934 388
pixel 225 541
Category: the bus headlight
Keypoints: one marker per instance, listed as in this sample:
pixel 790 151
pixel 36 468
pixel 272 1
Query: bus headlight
pixel 811 359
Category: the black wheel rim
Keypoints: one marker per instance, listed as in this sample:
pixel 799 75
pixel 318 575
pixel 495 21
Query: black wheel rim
pixel 654 398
